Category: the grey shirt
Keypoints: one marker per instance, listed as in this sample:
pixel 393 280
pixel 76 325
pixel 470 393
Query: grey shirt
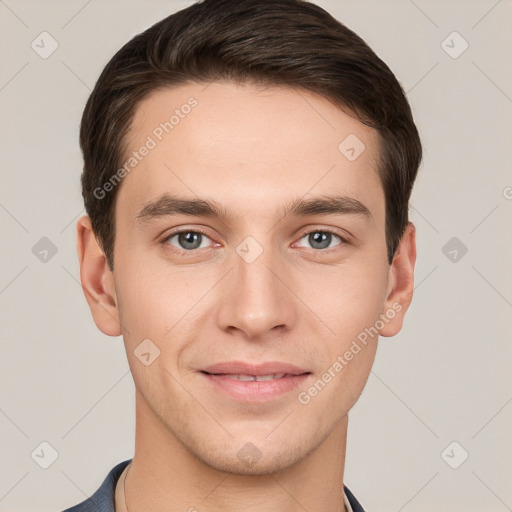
pixel 103 499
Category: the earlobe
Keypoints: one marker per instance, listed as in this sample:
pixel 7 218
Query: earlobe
pixel 400 283
pixel 97 280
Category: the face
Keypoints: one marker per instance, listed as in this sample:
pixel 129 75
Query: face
pixel 250 243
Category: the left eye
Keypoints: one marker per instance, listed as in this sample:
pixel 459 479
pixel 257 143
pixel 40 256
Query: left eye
pixel 321 239
pixel 189 240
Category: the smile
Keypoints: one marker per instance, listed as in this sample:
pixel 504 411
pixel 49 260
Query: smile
pixel 248 388
pixel 247 378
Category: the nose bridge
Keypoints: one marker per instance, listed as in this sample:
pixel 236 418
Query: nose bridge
pixel 256 300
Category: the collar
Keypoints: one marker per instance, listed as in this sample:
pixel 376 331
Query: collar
pixel 103 499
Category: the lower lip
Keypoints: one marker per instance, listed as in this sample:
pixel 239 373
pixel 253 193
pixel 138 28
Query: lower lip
pixel 255 391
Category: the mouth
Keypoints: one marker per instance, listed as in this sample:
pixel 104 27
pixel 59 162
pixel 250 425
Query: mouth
pixel 254 383
pixel 266 369
pixel 254 378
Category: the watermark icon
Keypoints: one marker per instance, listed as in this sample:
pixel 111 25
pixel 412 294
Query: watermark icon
pixel 157 135
pixel 249 249
pixel 507 192
pixel 304 397
pixel 44 250
pixel 146 352
pixel 44 455
pixel 454 455
pixel 351 147
pixel 249 454
pixel 44 45
pixel 454 249
pixel 454 45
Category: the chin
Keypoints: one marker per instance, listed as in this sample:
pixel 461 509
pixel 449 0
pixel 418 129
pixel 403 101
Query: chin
pixel 252 457
pixel 269 464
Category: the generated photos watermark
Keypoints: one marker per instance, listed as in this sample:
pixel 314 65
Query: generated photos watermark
pixel 305 397
pixel 157 135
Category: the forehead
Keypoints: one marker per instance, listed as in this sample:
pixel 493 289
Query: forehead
pixel 248 147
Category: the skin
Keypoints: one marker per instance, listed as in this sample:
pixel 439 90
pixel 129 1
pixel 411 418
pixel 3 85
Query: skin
pixel 253 150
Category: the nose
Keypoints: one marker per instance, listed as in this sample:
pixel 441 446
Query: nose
pixel 256 299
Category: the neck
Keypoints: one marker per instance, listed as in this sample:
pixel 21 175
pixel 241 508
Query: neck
pixel 165 476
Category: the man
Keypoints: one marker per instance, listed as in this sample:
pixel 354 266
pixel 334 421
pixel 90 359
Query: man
pixel 247 172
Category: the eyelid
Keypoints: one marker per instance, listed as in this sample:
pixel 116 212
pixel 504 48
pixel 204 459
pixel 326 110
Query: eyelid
pixel 184 229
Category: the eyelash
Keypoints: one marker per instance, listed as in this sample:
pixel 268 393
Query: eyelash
pixel 164 241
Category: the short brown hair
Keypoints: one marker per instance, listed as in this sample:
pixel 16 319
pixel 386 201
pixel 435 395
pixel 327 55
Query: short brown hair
pixel 271 42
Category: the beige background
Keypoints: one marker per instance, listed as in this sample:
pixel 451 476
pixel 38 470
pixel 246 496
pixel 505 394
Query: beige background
pixel 444 378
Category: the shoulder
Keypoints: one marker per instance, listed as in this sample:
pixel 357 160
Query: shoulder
pixel 356 506
pixel 103 499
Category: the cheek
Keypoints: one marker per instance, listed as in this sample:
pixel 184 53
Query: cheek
pixel 146 299
pixel 349 351
pixel 349 303
pixel 149 309
pixel 161 304
pixel 346 299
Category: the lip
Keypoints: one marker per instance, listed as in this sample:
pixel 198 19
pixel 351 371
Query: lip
pixel 267 368
pixel 220 380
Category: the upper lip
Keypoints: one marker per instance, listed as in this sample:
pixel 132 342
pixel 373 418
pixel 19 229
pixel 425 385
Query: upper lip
pixel 267 368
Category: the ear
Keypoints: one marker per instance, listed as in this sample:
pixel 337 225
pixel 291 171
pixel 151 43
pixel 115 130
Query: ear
pixel 400 283
pixel 97 280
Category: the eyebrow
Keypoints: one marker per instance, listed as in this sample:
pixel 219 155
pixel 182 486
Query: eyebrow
pixel 333 205
pixel 168 205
